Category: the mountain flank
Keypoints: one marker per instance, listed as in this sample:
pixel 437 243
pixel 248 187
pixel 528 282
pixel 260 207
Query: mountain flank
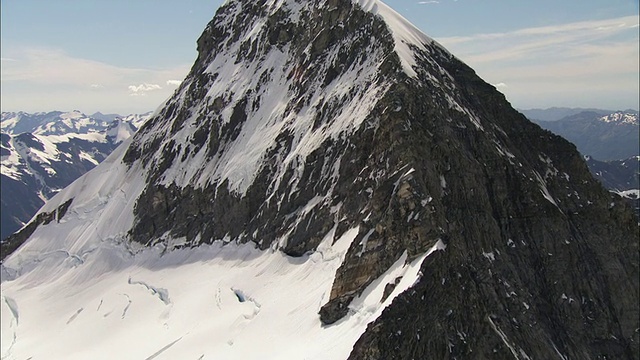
pixel 335 135
pixel 44 152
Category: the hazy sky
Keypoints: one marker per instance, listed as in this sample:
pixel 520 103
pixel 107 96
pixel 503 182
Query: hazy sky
pixel 127 56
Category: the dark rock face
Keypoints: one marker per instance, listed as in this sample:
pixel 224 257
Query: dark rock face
pixel 520 275
pixel 541 261
pixel 214 212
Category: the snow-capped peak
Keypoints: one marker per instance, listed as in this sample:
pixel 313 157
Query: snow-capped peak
pixel 405 34
pixel 223 125
pixel 299 190
pixel 621 117
pixel 75 114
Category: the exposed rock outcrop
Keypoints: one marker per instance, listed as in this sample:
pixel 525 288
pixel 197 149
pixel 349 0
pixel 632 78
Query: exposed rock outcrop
pixel 540 259
pixel 302 119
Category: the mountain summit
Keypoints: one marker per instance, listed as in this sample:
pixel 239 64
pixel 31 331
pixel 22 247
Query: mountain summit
pixel 328 183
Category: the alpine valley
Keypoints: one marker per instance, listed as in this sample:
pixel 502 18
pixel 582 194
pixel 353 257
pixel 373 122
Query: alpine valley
pixel 327 183
pixel 44 152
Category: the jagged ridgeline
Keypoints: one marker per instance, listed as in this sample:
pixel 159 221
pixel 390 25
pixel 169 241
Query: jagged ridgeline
pixel 306 118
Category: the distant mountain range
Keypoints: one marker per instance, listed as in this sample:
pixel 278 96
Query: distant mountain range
pixel 617 175
pixel 603 136
pixel 557 113
pixel 44 152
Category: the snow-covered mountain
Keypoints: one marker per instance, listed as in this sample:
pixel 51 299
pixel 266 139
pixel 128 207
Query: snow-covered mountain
pixel 327 183
pixel 43 153
pixel 51 123
pixel 621 118
pixel 613 136
pixel 63 123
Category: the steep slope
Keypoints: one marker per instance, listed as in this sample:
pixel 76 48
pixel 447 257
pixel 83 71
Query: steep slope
pixel 328 175
pixel 53 150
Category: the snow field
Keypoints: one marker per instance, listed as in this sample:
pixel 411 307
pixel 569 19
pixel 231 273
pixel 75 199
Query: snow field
pixel 221 301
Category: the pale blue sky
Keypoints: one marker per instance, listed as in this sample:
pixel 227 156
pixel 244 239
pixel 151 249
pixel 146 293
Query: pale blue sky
pixel 126 56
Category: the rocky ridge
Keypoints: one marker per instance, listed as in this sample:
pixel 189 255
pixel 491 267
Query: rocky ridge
pixel 439 155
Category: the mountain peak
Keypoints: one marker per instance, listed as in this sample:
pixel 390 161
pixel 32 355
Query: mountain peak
pixel 405 35
pixel 325 160
pixel 621 117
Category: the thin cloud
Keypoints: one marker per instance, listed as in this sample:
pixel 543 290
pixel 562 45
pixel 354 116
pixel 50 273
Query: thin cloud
pixel 143 89
pixel 429 2
pixel 47 66
pixel 582 29
pixel 592 62
pixel 174 82
pixel 43 79
pixel 549 42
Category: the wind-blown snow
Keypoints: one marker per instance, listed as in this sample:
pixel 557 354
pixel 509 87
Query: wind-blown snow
pixel 404 33
pixel 629 194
